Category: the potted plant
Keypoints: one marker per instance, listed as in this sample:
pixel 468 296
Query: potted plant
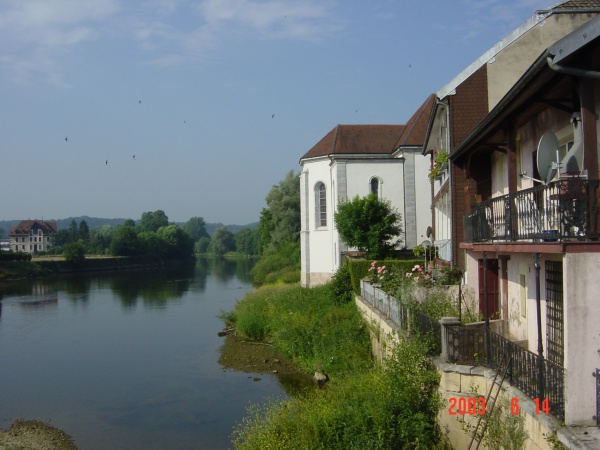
pixel 440 163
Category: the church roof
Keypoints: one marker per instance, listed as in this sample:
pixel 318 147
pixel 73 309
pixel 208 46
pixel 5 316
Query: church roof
pixel 357 139
pixel 374 139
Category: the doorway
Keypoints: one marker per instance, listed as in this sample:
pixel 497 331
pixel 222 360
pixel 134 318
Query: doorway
pixel 493 291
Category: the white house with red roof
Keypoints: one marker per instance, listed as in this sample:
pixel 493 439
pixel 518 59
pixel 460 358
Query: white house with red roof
pixel 358 160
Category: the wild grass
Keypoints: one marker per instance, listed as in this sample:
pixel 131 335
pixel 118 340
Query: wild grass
pixel 308 326
pixel 391 407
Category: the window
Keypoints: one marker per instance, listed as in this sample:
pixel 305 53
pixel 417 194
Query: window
pixel 321 204
pixel 375 186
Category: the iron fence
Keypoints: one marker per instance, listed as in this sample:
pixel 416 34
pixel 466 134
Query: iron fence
pixel 563 210
pixel 466 344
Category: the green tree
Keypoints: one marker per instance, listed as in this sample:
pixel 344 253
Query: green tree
pixel 129 223
pixel 124 242
pixel 73 231
pixel 152 221
pixel 246 241
pixel 61 238
pixel 195 228
pixel 179 244
pixel 283 203
pixel 265 228
pixel 202 246
pixel 152 245
pixel 100 239
pixel 83 232
pixel 74 252
pixel 369 224
pixel 222 241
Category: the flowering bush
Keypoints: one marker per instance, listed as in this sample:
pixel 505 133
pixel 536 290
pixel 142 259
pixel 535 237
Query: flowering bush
pixel 419 276
pixel 377 273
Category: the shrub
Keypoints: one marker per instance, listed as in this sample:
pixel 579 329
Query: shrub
pixel 74 252
pixel 341 285
pixel 278 266
pixel 394 407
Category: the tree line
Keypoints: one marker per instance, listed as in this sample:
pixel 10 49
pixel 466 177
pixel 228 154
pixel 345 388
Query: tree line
pixel 153 235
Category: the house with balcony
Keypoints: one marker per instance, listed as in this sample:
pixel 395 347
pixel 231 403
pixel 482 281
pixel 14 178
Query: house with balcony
pixel 462 103
pixel 530 227
pixel 352 160
pixel 31 236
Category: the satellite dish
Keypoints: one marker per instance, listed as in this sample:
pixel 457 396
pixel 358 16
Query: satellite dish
pixel 429 232
pixel 547 156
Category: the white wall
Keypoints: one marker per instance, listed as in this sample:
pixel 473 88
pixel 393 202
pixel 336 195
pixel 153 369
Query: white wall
pixel 582 335
pixel 318 259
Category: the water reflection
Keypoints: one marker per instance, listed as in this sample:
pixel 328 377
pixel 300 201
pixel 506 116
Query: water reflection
pixel 92 354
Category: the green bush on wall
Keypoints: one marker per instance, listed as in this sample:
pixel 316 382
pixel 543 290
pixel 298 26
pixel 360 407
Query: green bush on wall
pixel 359 269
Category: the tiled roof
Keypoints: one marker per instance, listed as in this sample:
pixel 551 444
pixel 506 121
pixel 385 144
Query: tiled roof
pixel 357 139
pixel 416 127
pixel 26 226
pixel 576 4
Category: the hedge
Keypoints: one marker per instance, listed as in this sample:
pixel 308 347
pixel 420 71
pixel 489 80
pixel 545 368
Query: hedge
pixel 359 269
pixel 14 256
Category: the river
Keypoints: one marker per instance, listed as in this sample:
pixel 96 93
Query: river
pixel 127 360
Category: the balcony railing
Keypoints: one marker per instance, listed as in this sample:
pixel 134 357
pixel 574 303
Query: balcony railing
pixel 564 210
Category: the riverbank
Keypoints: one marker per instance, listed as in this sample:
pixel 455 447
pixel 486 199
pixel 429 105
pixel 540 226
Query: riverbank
pixel 48 266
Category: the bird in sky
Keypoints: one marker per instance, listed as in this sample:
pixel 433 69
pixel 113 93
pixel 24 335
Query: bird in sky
pixel 273 116
pixel 133 156
pixel 67 139
pixel 140 102
pixel 107 162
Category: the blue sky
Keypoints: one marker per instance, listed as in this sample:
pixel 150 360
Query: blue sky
pixel 190 88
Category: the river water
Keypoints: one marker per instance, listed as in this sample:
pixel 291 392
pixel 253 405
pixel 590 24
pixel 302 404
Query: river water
pixel 127 360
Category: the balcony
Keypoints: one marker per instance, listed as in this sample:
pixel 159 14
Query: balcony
pixel 564 210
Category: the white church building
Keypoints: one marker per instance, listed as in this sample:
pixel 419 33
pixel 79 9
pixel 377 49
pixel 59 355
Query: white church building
pixel 353 160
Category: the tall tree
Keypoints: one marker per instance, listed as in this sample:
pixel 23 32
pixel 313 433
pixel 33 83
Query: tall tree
pixel 83 232
pixel 222 241
pixel 246 241
pixel 124 242
pixel 283 217
pixel 73 231
pixel 195 228
pixel 179 244
pixel 152 221
pixel 370 224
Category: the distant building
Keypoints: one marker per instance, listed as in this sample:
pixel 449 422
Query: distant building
pixel 5 244
pixel 32 236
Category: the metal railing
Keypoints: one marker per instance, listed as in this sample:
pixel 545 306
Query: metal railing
pixel 467 345
pixel 387 304
pixel 562 210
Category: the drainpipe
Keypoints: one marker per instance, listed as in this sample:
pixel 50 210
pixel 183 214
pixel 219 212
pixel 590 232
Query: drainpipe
pixel 540 358
pixel 488 344
pixel 572 70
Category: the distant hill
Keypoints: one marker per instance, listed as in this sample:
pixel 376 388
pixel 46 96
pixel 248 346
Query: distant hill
pixel 95 222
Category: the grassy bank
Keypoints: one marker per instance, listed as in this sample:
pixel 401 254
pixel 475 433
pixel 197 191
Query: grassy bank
pixel 363 406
